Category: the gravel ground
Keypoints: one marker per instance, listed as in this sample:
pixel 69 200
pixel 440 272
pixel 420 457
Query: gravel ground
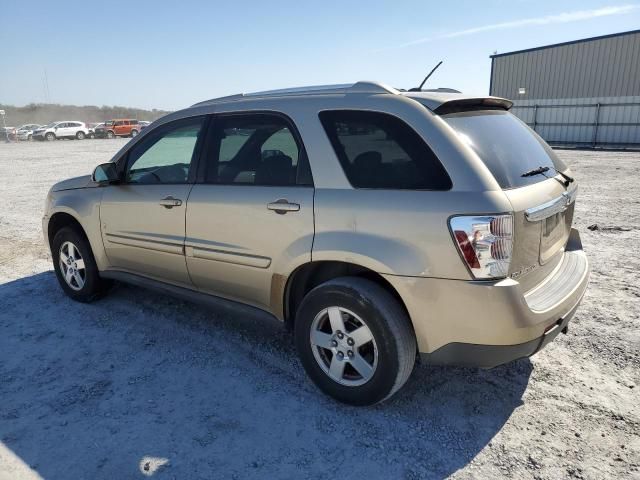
pixel 139 384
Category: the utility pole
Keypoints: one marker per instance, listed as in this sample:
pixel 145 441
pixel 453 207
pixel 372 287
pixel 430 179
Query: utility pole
pixel 47 94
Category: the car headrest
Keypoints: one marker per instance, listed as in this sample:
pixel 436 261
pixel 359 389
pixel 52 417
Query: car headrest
pixel 368 160
pixel 275 170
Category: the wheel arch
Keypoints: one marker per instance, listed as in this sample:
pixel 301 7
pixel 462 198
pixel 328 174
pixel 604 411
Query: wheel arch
pixel 61 220
pixel 309 275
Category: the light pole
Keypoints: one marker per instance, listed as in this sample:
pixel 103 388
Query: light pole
pixel 4 124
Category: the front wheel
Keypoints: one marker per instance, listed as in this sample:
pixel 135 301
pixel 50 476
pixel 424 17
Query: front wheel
pixel 75 266
pixel 355 340
pixel 110 135
pixel 80 135
pixel 134 133
pixel 50 137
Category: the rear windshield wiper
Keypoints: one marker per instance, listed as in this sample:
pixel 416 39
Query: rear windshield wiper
pixel 542 170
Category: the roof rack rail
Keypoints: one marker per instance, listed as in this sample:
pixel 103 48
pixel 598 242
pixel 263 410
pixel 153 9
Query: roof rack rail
pixel 358 87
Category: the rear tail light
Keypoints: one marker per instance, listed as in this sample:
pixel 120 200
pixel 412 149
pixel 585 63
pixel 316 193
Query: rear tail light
pixel 485 243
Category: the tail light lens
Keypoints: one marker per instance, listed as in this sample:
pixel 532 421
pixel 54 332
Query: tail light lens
pixel 485 243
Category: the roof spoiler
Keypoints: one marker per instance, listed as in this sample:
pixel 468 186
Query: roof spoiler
pixel 468 104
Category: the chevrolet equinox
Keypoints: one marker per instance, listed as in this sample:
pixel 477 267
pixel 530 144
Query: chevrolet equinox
pixel 380 225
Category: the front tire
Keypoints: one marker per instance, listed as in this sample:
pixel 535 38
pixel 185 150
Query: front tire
pixel 50 137
pixel 80 135
pixel 75 266
pixel 134 133
pixel 355 340
pixel 110 135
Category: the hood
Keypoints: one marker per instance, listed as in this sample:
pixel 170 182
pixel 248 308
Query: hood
pixel 72 183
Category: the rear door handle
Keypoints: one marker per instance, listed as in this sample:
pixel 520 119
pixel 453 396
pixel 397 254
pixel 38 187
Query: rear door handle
pixel 283 206
pixel 170 202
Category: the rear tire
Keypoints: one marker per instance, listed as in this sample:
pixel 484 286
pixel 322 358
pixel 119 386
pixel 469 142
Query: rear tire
pixel 50 137
pixel 75 266
pixel 80 135
pixel 30 138
pixel 332 343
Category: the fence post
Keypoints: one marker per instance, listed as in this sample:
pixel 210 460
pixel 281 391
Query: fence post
pixel 595 126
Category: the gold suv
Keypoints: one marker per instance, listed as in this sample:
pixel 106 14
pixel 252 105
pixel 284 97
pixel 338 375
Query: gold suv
pixel 378 224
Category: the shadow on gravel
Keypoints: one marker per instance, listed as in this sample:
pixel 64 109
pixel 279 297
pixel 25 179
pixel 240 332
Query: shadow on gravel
pixel 140 384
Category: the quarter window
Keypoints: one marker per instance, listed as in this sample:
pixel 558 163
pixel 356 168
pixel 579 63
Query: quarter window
pixel 378 150
pixel 165 157
pixel 255 149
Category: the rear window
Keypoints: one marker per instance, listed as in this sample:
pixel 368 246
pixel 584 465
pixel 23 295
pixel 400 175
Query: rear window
pixel 506 145
pixel 378 150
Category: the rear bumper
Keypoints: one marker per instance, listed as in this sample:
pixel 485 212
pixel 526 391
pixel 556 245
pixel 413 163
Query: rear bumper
pixel 486 324
pixel 489 356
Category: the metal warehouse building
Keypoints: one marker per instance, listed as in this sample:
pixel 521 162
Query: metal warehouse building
pixel 584 93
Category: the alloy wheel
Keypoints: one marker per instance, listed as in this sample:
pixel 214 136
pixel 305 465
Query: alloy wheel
pixel 72 266
pixel 343 346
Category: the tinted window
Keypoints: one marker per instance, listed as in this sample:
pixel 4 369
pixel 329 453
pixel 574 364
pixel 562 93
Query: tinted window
pixel 256 149
pixel 134 122
pixel 166 156
pixel 505 144
pixel 119 123
pixel 378 150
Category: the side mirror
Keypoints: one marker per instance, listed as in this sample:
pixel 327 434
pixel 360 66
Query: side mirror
pixel 105 173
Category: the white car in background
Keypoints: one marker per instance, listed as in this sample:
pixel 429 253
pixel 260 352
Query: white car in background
pixel 25 132
pixel 64 129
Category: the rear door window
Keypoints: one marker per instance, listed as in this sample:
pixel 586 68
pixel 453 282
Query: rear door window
pixel 378 150
pixel 255 149
pixel 506 145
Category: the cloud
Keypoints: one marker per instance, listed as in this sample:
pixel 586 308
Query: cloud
pixel 566 17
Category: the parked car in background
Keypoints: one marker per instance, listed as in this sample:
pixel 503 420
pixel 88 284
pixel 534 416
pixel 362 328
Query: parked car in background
pixel 92 129
pixel 143 124
pixel 124 127
pixel 8 133
pixel 379 224
pixel 25 132
pixel 64 129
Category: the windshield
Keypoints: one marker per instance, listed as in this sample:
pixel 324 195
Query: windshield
pixel 506 145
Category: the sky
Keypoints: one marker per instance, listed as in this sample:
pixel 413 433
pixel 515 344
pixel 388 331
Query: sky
pixel 169 55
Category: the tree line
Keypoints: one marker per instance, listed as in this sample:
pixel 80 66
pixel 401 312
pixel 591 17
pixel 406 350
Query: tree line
pixel 44 113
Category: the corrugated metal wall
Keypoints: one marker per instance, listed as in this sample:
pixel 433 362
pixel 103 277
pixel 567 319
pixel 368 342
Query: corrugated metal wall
pixel 600 121
pixel 585 93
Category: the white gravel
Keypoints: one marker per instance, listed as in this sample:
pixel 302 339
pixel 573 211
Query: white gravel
pixel 139 384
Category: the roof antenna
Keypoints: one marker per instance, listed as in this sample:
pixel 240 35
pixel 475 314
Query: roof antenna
pixel 419 89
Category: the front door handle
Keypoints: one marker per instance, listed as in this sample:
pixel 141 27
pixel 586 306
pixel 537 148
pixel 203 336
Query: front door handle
pixel 170 202
pixel 283 206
